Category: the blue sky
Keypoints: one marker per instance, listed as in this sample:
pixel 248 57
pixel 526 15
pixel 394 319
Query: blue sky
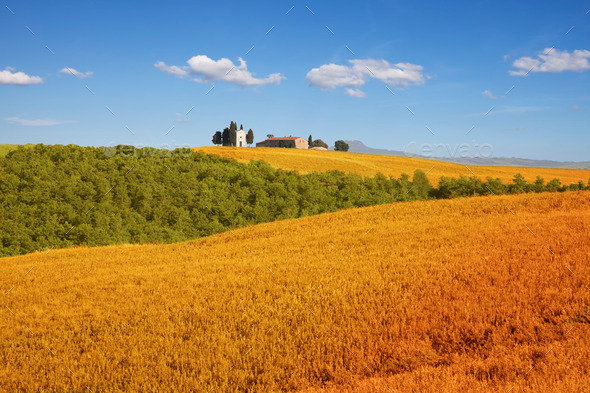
pixel 386 73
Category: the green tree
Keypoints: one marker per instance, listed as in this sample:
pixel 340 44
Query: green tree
pixel 232 133
pixel 225 139
pixel 232 138
pixel 518 185
pixel 553 186
pixel 421 187
pixel 309 141
pixel 241 127
pixel 340 145
pixel 539 185
pixel 217 138
pixel 494 186
pixel 250 137
pixel 319 143
pixel 270 136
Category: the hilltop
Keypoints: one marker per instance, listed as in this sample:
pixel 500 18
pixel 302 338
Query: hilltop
pixel 305 161
pixel 479 294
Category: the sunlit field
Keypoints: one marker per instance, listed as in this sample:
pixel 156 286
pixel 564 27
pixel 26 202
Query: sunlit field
pixel 148 246
pixel 480 294
pixel 305 161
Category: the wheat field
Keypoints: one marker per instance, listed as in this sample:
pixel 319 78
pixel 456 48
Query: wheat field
pixel 480 294
pixel 304 161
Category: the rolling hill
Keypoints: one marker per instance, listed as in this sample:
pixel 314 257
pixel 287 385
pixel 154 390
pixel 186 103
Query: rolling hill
pixel 478 294
pixel 305 161
pixel 61 196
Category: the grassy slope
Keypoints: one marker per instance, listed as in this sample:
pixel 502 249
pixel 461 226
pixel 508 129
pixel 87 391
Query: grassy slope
pixel 371 164
pixel 445 296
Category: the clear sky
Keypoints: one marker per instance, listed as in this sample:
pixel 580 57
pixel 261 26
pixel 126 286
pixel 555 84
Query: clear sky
pixel 391 74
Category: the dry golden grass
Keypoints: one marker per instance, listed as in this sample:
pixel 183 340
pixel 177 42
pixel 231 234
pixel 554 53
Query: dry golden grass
pixel 455 295
pixel 305 161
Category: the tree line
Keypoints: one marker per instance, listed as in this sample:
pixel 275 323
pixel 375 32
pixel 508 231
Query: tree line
pixel 339 145
pixel 61 196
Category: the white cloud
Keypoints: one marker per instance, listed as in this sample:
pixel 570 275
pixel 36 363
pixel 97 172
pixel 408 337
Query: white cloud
pixel 356 93
pixel 575 108
pixel 77 74
pixel 173 70
pixel 488 94
pixel 225 70
pixel 208 70
pixel 397 74
pixel 552 60
pixel 9 77
pixel 330 76
pixel 36 122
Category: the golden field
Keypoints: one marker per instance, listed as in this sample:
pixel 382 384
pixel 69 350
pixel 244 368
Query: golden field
pixel 304 161
pixel 481 294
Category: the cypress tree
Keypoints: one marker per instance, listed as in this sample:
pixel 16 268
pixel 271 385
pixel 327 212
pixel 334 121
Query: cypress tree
pixel 225 139
pixel 232 135
pixel 217 138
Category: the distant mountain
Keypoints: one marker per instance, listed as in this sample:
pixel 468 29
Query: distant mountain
pixel 360 147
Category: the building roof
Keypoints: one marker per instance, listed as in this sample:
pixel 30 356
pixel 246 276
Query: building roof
pixel 284 138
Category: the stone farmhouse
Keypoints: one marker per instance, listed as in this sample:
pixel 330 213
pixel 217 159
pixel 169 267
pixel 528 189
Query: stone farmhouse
pixel 286 141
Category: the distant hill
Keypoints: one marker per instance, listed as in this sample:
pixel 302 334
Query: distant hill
pixel 360 147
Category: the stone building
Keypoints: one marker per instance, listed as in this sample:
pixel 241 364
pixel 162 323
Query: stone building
pixel 293 142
